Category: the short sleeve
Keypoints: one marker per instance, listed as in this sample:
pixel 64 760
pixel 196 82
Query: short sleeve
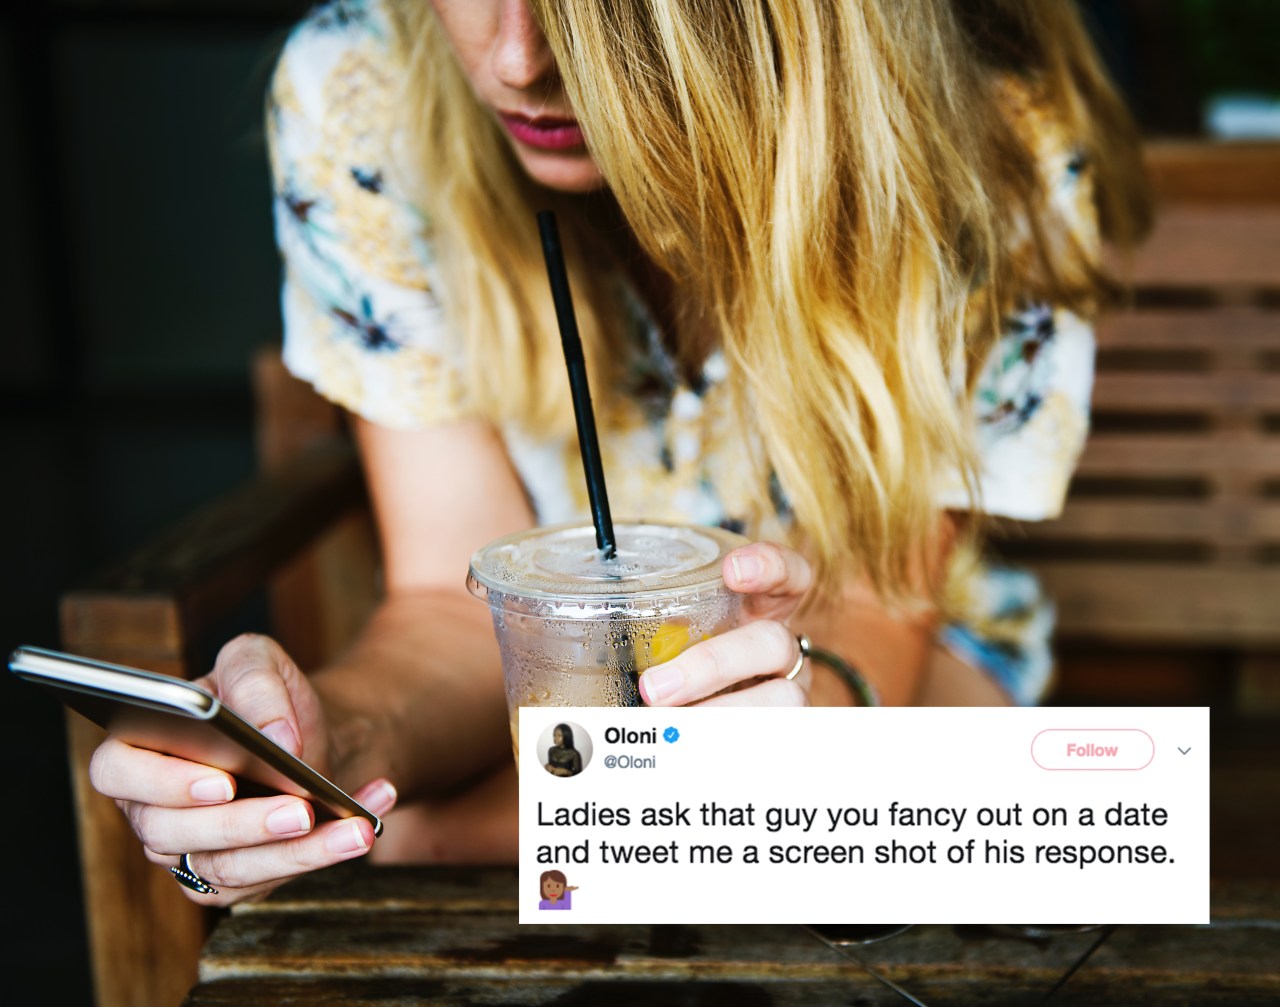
pixel 1031 399
pixel 1031 407
pixel 361 321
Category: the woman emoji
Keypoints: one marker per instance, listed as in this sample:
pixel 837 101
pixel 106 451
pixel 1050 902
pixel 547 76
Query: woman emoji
pixel 556 894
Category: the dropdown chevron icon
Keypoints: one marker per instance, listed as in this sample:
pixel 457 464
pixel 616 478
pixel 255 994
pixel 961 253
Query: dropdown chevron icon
pixel 1184 751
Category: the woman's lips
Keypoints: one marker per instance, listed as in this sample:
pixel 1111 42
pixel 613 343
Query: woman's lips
pixel 543 132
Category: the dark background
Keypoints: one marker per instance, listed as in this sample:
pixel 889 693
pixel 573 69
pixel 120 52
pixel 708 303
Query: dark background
pixel 137 275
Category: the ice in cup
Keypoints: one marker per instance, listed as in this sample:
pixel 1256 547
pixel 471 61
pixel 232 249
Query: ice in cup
pixel 576 629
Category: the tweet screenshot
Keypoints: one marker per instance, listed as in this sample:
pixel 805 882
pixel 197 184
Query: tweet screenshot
pixel 977 815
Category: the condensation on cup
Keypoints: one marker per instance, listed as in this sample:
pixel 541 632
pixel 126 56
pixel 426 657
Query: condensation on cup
pixel 578 630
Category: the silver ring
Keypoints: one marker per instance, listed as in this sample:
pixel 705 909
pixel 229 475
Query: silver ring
pixel 803 641
pixel 188 878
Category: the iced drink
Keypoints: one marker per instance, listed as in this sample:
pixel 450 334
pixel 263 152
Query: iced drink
pixel 578 630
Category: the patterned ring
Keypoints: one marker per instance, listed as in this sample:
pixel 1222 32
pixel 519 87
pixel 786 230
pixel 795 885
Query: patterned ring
pixel 188 878
pixel 803 641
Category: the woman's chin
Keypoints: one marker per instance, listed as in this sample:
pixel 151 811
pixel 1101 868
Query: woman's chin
pixel 563 171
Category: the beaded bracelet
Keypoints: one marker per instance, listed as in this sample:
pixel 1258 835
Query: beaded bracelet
pixel 852 678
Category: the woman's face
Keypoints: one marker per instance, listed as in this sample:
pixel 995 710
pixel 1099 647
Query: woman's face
pixel 558 737
pixel 505 56
pixel 552 889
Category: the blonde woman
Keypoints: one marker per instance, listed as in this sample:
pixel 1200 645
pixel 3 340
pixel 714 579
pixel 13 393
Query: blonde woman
pixel 835 262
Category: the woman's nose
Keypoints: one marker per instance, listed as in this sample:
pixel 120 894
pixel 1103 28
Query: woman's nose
pixel 521 56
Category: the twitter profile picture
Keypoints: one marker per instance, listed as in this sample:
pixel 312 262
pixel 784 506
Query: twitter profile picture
pixel 564 748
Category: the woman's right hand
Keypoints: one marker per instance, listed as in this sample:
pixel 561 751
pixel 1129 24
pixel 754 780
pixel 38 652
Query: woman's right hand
pixel 243 848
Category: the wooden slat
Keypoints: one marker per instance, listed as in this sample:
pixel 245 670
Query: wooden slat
pixel 1218 329
pixel 406 938
pixel 489 946
pixel 1213 392
pixel 211 562
pixel 1210 246
pixel 276 512
pixel 1104 981
pixel 855 988
pixel 144 625
pixel 1094 520
pixel 1243 818
pixel 290 418
pixel 134 963
pixel 359 888
pixel 1215 173
pixel 1257 689
pixel 1178 603
pixel 1170 455
pixel 323 596
pixel 493 948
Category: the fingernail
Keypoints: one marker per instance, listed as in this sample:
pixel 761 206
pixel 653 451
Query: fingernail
pixel 347 839
pixel 661 682
pixel 282 734
pixel 745 568
pixel 382 798
pixel 289 820
pixel 211 789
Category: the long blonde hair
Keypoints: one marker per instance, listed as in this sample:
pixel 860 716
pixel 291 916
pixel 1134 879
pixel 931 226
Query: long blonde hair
pixel 828 184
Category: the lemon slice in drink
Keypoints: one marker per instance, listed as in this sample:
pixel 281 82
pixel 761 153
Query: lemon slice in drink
pixel 670 639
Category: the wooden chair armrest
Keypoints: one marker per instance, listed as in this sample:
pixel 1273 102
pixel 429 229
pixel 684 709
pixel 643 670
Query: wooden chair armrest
pixel 153 610
pixel 188 579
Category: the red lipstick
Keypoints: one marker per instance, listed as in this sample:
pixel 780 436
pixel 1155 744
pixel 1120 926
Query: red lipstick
pixel 543 132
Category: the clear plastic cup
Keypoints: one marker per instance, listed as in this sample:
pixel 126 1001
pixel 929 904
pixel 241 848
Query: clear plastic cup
pixel 578 630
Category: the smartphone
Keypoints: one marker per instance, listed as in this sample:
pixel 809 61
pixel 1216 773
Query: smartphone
pixel 175 717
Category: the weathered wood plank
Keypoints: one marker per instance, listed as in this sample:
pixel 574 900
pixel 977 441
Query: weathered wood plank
pixel 211 562
pixel 1206 246
pixel 370 936
pixel 494 947
pixel 1257 690
pixel 1193 171
pixel 133 965
pixel 495 888
pixel 1208 330
pixel 290 418
pixel 489 946
pixel 1213 392
pixel 362 888
pixel 1145 520
pixel 322 597
pixel 855 990
pixel 433 935
pixel 1179 603
pixel 146 625
pixel 1245 818
pixel 420 920
pixel 1173 455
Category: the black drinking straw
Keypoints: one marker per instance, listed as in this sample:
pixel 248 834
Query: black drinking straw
pixel 588 442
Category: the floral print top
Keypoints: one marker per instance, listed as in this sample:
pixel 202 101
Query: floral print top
pixel 363 325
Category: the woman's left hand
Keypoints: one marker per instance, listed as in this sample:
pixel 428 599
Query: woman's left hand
pixel 774 580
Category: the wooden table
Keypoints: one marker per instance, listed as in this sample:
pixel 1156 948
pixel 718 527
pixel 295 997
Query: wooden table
pixel 358 936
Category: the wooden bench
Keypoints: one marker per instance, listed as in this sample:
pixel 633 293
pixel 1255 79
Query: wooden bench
pixel 1171 535
pixel 396 936
pixel 1170 538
